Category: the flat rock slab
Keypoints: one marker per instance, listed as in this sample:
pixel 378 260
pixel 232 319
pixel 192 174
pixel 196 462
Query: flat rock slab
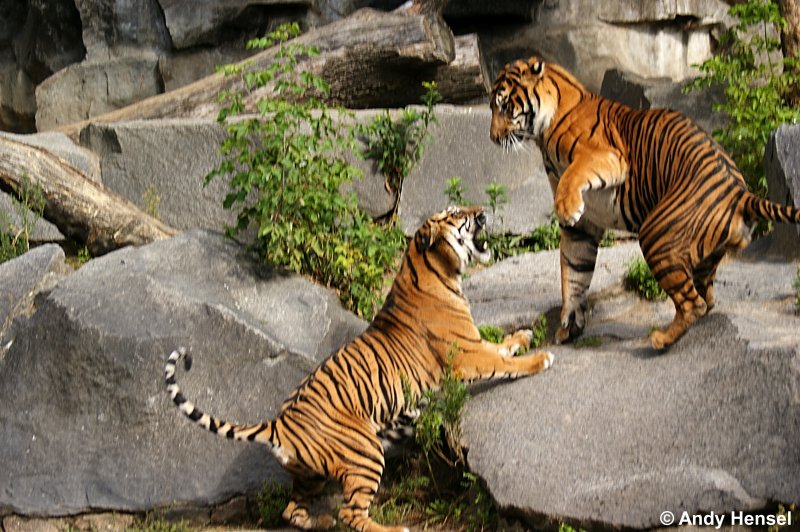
pixel 615 433
pixel 85 422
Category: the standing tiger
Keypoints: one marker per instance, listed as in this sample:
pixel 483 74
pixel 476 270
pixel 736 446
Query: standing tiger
pixel 333 424
pixel 654 172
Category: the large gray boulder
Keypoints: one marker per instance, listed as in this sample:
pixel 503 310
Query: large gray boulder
pixel 640 93
pixel 614 433
pixel 90 88
pixel 85 423
pixel 782 166
pixel 172 157
pixel 202 21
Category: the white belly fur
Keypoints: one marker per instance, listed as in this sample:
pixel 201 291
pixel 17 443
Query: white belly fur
pixel 602 208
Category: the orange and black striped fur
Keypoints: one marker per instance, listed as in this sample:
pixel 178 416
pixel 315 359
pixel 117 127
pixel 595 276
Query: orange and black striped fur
pixel 654 172
pixel 332 425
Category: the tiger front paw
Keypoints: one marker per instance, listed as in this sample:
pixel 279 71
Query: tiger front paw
pixel 569 207
pixel 512 343
pixel 572 323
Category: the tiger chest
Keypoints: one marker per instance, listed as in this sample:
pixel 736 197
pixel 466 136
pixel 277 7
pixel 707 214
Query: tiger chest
pixel 603 207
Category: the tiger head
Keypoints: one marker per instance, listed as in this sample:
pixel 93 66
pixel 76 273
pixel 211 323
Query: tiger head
pixel 453 237
pixel 524 101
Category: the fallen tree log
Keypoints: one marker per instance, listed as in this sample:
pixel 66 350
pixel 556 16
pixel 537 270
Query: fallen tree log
pixel 370 59
pixel 81 208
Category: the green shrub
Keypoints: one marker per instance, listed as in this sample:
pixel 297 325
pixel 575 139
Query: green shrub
pixel 286 170
pixel 491 333
pixel 442 414
pixel 639 279
pixel 399 145
pixel 757 87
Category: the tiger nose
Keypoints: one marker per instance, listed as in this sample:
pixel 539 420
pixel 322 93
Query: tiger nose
pixel 480 219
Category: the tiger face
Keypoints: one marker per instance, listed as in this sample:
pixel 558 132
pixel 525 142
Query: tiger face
pixel 522 103
pixel 454 236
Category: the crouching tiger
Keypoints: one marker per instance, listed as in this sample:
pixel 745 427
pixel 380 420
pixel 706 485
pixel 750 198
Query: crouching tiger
pixel 330 427
pixel 654 172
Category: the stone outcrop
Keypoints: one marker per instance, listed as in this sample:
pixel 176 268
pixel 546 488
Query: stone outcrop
pixel 85 422
pixel 612 435
pixel 99 39
pixel 171 158
pixel 615 433
pixel 782 166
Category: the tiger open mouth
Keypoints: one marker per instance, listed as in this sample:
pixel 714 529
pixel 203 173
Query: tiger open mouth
pixel 480 238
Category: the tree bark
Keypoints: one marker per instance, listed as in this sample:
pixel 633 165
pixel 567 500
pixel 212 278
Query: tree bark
pixel 81 208
pixel 370 59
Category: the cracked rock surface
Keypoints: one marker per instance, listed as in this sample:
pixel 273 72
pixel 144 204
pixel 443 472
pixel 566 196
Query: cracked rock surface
pixel 85 422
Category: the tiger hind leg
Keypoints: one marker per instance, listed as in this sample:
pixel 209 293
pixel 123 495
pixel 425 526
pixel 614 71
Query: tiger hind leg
pixel 704 275
pixel 359 488
pixel 304 490
pixel 689 304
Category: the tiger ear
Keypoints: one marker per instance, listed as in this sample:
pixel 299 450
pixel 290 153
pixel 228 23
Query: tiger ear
pixel 536 66
pixel 426 237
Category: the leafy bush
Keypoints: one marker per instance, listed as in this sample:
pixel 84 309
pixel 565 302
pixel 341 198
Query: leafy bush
pixel 399 145
pixel 639 279
pixel 455 191
pixel 756 87
pixel 286 172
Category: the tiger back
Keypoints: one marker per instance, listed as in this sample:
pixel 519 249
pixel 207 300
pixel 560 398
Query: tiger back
pixel 330 427
pixel 653 172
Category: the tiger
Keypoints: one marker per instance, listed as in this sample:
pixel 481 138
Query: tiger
pixel 333 426
pixel 653 172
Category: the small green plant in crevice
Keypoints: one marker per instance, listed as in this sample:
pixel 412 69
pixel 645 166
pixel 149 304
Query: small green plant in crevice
pixel 442 415
pixel 398 145
pixel 539 329
pixel 151 200
pixel 286 169
pixel 639 279
pixel 497 197
pixel 788 515
pixel 758 87
pixel 29 207
pixel 271 500
pixel 454 190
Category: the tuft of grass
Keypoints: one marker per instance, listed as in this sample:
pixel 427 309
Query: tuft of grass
pixel 609 239
pixel 271 501
pixel 491 333
pixel 639 279
pixel 539 328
